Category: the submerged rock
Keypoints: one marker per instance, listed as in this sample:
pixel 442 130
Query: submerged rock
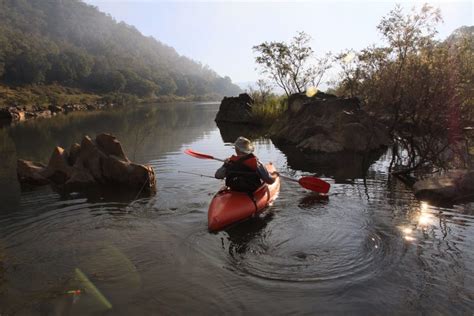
pixel 453 186
pixel 93 163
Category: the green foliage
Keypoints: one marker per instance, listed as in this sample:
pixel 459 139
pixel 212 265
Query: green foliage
pixel 69 66
pixel 71 43
pixel 420 87
pixel 268 111
pixel 27 67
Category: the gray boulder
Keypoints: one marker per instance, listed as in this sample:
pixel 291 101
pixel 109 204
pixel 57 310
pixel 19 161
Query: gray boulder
pixel 329 125
pixel 93 163
pixel 297 100
pixel 236 109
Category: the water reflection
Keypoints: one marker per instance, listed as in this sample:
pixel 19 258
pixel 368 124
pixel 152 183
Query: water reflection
pixel 230 131
pixel 370 239
pixel 340 166
pixel 145 133
pixel 310 199
pixel 241 235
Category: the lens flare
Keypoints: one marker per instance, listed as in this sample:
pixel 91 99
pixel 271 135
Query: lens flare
pixel 311 91
pixel 425 219
pixel 424 206
pixel 407 230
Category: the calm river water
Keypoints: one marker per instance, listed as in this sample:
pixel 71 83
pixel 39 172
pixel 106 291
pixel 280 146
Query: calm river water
pixel 371 248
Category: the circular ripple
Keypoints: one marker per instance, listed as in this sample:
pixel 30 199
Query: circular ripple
pixel 307 253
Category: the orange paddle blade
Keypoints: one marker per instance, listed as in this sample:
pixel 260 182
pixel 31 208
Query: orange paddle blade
pixel 197 155
pixel 314 184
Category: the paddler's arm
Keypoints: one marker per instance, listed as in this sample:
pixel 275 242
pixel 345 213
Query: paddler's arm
pixel 265 175
pixel 222 171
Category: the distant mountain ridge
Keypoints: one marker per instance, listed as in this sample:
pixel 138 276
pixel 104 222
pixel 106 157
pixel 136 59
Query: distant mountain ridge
pixel 71 43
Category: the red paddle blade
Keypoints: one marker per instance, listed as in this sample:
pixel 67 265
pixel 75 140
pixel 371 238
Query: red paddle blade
pixel 314 184
pixel 197 155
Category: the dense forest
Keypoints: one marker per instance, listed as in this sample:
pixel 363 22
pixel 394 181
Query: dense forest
pixel 70 43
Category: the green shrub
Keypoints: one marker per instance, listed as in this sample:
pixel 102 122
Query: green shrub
pixel 270 110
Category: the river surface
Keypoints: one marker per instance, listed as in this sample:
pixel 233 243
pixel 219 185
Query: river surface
pixel 369 249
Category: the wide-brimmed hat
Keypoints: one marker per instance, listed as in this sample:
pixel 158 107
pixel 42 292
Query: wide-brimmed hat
pixel 244 145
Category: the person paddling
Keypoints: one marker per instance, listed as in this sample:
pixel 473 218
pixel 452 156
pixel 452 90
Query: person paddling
pixel 244 172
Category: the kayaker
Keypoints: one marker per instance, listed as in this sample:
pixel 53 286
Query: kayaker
pixel 243 171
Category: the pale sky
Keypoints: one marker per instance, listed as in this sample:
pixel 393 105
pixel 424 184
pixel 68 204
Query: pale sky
pixel 221 33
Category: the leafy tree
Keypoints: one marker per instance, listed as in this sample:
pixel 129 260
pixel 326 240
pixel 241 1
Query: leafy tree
pixel 417 85
pixel 290 65
pixel 262 92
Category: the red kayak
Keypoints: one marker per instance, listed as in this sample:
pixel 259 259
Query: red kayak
pixel 229 207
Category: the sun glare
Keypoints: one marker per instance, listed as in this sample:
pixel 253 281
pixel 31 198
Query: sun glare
pixel 311 91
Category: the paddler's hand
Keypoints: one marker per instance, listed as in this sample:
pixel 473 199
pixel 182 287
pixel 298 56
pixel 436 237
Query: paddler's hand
pixel 275 173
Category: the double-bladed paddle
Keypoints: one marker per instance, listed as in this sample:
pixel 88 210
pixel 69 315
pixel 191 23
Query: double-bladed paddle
pixel 310 183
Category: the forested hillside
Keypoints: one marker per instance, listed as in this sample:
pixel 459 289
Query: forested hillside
pixel 70 43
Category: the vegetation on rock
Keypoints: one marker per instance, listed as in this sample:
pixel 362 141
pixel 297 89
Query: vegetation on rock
pixel 421 88
pixel 417 86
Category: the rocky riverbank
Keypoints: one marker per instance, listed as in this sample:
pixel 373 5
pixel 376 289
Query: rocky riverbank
pixel 22 113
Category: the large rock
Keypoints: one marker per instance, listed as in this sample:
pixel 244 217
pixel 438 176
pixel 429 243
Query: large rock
pixel 236 109
pixel 100 162
pixel 74 153
pixel 110 145
pixel 297 100
pixel 453 186
pixel 58 169
pixel 31 173
pixel 80 179
pixel 90 158
pixel 124 172
pixel 329 125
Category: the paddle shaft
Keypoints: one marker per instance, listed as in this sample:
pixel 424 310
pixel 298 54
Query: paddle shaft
pixel 219 159
pixel 197 174
pixel 287 178
pixel 310 183
pixel 206 176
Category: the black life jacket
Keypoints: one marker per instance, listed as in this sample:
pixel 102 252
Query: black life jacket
pixel 241 174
